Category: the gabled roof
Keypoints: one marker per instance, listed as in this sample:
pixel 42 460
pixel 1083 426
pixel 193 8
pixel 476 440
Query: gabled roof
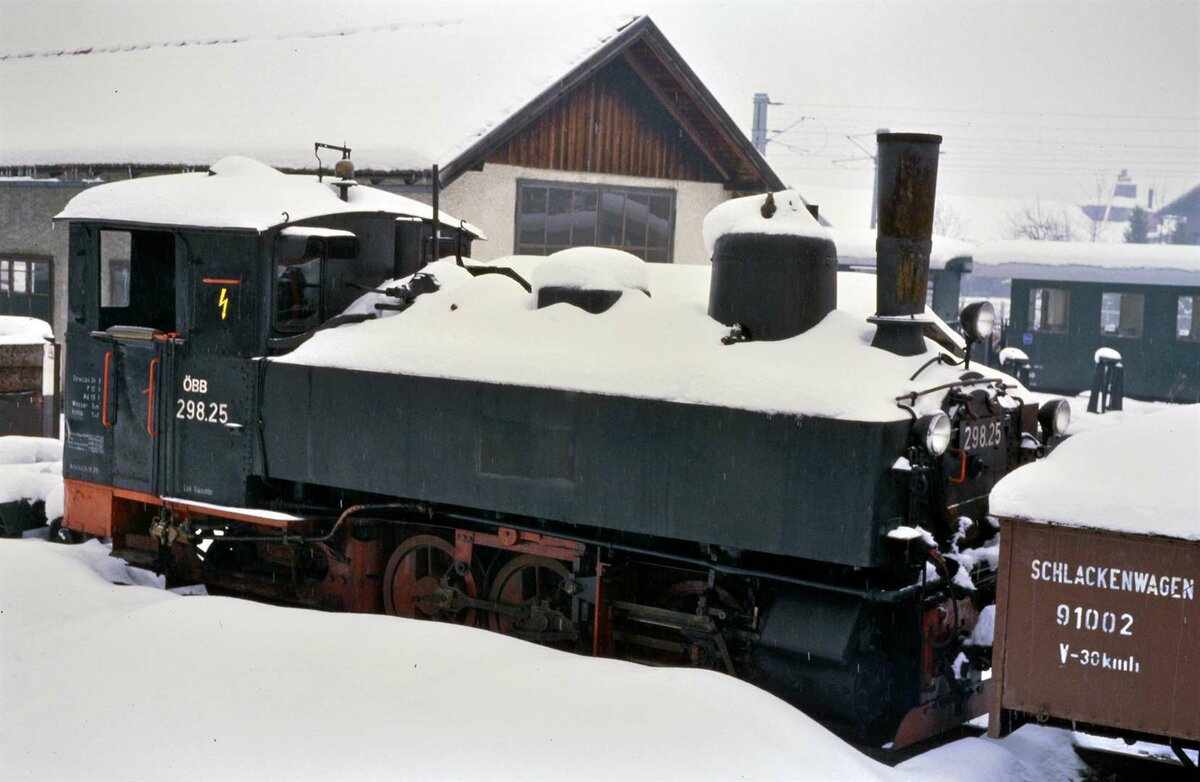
pixel 1187 204
pixel 443 87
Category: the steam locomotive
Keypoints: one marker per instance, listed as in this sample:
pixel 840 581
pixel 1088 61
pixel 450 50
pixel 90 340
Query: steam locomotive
pixel 304 391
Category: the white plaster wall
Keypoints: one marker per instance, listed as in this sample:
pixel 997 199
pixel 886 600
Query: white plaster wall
pixel 488 199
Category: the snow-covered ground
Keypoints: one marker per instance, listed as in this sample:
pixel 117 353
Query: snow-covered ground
pixel 99 681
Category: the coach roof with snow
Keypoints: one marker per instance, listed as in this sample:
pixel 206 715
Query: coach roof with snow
pixel 1139 264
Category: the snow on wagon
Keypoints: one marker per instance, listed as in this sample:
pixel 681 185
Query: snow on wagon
pixel 1097 618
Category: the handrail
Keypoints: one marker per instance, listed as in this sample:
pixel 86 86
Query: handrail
pixel 150 400
pixel 104 394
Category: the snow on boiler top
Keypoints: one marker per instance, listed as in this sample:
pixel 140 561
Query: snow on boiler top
pixel 662 346
pixel 236 192
pixel 749 215
pixel 1141 476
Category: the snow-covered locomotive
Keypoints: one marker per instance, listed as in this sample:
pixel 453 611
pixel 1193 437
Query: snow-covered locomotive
pixel 569 449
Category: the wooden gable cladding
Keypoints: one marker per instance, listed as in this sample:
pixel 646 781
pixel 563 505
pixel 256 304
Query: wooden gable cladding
pixel 611 123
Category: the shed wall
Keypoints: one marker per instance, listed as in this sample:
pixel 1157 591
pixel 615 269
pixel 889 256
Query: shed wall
pixel 489 197
pixel 26 228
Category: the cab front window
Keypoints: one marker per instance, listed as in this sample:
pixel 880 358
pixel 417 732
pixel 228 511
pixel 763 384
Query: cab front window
pixel 302 273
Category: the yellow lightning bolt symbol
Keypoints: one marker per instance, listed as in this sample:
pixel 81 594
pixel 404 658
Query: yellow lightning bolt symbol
pixel 223 303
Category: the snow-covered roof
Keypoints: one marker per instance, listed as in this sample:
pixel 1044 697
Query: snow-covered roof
pixel 237 192
pixel 19 330
pixel 1149 264
pixel 857 248
pixel 662 347
pixel 1140 476
pixel 404 96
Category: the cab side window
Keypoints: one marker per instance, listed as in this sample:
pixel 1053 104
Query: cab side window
pixel 137 279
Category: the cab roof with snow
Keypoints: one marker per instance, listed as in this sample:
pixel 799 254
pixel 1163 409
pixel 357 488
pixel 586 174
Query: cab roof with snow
pixel 240 194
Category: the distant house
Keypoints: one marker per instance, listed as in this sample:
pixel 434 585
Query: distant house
pixel 1182 217
pixel 1071 298
pixel 1119 205
pixel 545 135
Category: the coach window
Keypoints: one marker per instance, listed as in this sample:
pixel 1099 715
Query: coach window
pixel 1187 319
pixel 137 279
pixel 25 286
pixel 1121 314
pixel 1048 310
pixel 552 217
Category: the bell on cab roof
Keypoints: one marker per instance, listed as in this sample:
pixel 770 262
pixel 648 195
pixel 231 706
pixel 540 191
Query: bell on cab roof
pixel 344 171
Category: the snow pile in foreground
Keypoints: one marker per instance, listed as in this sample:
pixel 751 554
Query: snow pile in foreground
pixel 662 346
pixel 1030 753
pixel 112 682
pixel 31 469
pixel 217 688
pixel 18 330
pixel 1140 476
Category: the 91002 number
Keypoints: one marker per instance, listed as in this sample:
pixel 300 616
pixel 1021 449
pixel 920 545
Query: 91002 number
pixel 1092 619
pixel 199 410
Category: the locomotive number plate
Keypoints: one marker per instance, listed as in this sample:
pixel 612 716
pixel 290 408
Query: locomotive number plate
pixel 978 435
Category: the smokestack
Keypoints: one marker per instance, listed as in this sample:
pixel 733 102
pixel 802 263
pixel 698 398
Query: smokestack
pixel 907 184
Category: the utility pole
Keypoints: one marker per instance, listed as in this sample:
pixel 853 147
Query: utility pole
pixel 758 130
pixel 874 156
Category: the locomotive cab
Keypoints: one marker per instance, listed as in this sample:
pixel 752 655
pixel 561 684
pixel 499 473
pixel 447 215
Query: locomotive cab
pixel 179 285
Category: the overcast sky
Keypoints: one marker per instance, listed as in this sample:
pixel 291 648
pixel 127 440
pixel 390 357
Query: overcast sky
pixel 1033 98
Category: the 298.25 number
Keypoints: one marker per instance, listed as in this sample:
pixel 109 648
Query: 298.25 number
pixel 199 410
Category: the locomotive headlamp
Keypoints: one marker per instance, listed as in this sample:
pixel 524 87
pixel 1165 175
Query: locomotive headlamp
pixel 978 320
pixel 933 432
pixel 1054 417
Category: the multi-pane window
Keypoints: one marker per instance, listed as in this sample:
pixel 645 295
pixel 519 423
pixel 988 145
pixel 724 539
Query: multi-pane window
pixel 25 287
pixel 1121 314
pixel 1187 319
pixel 1048 310
pixel 552 217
